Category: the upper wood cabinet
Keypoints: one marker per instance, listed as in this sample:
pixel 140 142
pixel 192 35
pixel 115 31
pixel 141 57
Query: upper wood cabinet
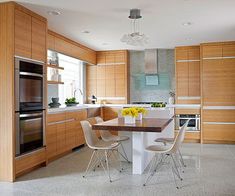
pixel 23 35
pixel 187 74
pixel 39 34
pixel 111 76
pixel 30 36
pixel 61 44
pixel 218 74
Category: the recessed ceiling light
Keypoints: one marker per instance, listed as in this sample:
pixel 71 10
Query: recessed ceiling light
pixel 86 32
pixel 105 44
pixel 186 23
pixel 54 13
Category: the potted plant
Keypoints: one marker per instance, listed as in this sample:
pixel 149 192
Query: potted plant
pixel 129 115
pixel 141 111
pixel 71 102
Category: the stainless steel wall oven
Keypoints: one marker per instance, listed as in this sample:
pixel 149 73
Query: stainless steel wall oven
pixel 194 123
pixel 29 105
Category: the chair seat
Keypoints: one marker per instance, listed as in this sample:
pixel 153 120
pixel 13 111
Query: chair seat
pixel 116 138
pixel 164 140
pixel 158 148
pixel 102 145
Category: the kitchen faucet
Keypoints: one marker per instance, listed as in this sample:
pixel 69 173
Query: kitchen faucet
pixel 74 92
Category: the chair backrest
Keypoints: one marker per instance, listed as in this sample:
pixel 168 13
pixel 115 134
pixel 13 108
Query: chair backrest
pixel 105 134
pixel 90 135
pixel 179 138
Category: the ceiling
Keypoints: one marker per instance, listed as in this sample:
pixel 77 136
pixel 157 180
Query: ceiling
pixel 162 22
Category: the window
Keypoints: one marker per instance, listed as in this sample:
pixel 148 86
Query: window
pixel 72 77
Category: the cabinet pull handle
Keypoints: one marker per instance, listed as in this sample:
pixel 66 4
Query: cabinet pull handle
pixel 62 121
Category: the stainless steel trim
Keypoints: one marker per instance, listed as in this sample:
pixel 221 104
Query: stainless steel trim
pixel 225 57
pixel 17 87
pixel 44 89
pixel 29 60
pixel 101 64
pixel 44 128
pixel 62 121
pixel 17 132
pixel 188 98
pixel 30 74
pixel 31 115
pixel 219 123
pixel 30 153
pixel 219 107
pixel 196 60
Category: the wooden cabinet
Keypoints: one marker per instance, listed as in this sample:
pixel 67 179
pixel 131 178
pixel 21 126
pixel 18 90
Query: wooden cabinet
pixel 91 82
pixel 218 92
pixel 194 79
pixel 187 75
pixel 64 132
pixel 182 77
pixel 218 77
pixel 61 44
pixel 111 77
pixel 30 36
pixel 23 35
pixel 39 29
pixel 29 161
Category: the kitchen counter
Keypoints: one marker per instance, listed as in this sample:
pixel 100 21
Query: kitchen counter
pixel 64 108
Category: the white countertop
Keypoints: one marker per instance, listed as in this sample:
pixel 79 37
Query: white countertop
pixel 64 108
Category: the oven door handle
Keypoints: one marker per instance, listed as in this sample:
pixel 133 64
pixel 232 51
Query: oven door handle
pixel 31 74
pixel 31 115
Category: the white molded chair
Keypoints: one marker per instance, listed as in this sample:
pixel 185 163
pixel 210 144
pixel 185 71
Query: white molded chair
pixel 165 153
pixel 97 145
pixel 109 137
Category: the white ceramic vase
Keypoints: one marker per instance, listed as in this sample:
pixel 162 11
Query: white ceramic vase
pixel 139 117
pixel 171 100
pixel 129 120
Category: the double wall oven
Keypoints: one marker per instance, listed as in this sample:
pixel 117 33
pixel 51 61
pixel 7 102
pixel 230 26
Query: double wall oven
pixel 29 105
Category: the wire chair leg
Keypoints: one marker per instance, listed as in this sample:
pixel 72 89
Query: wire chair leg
pixel 107 165
pixel 181 158
pixel 125 155
pixel 176 169
pixel 173 173
pixel 117 160
pixel 88 166
pixel 149 175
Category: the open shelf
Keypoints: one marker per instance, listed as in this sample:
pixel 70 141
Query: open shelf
pixel 55 67
pixel 54 82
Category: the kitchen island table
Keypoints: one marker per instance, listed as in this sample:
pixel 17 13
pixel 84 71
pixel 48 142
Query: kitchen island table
pixel 143 133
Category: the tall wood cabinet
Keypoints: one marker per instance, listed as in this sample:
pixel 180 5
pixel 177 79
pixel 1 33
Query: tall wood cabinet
pixel 187 61
pixel 30 35
pixel 108 80
pixel 22 33
pixel 218 92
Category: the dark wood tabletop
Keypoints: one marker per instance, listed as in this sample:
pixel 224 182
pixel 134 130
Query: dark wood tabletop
pixel 146 125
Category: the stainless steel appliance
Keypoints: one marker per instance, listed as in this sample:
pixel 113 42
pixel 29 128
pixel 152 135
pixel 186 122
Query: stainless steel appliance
pixel 194 123
pixel 29 105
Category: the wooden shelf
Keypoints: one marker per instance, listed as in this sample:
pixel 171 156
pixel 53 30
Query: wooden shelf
pixel 55 67
pixel 54 82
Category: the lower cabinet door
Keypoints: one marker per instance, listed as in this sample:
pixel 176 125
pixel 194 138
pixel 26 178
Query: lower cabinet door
pixel 70 134
pixel 61 138
pixel 51 141
pixel 219 131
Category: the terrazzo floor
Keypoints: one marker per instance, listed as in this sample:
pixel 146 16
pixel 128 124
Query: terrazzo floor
pixel 210 171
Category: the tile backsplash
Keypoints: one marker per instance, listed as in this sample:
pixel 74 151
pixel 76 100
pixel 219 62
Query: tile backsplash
pixel 139 91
